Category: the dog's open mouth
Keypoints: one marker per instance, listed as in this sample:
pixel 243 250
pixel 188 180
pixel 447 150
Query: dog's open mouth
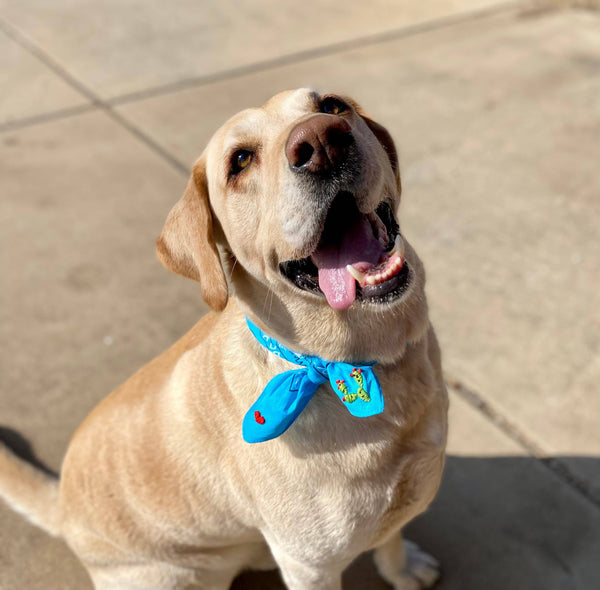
pixel 358 257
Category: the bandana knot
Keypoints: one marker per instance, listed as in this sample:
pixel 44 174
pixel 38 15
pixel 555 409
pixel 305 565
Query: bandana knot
pixel 287 394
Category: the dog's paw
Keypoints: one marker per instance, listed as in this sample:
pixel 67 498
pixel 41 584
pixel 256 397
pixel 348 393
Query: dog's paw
pixel 421 571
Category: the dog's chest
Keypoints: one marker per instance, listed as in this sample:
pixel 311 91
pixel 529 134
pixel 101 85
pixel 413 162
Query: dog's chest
pixel 337 504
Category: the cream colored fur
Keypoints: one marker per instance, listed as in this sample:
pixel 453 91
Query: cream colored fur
pixel 158 489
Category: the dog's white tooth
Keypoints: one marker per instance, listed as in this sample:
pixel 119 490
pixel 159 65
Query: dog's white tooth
pixel 398 246
pixel 371 280
pixel 398 263
pixel 357 274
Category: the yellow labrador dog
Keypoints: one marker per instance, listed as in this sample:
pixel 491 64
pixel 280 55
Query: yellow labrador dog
pixel 289 221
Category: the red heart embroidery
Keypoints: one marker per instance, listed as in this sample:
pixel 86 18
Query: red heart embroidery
pixel 260 419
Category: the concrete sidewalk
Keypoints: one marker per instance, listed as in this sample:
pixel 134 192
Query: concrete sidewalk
pixel 494 108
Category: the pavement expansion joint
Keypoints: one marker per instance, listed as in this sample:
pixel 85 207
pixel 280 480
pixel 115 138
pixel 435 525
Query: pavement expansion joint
pixel 96 102
pixel 317 52
pixel 325 50
pixel 553 464
pixel 46 117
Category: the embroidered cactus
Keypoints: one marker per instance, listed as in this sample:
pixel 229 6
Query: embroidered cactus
pixel 364 396
pixel 361 393
pixel 357 376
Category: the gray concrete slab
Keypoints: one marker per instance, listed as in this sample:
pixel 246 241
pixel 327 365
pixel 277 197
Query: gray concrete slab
pixel 121 47
pixel 506 522
pixel 472 435
pixel 29 88
pixel 497 125
pixel 84 301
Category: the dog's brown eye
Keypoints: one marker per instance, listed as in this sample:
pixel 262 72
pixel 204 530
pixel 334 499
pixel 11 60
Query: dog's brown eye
pixel 332 106
pixel 240 160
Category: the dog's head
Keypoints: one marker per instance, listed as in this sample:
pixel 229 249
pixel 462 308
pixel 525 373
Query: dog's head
pixel 292 208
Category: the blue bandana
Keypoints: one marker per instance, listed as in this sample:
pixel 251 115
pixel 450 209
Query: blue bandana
pixel 287 394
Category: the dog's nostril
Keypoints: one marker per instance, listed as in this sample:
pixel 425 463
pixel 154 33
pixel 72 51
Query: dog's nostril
pixel 303 154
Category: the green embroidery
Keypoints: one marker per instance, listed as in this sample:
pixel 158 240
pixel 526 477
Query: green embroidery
pixel 361 393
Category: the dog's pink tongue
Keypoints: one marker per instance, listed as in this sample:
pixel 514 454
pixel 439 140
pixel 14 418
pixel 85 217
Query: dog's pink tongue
pixel 358 245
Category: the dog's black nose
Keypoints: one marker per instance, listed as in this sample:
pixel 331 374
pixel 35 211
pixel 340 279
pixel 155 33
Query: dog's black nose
pixel 319 144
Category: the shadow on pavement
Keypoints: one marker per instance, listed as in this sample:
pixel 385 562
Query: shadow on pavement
pixel 498 523
pixel 22 448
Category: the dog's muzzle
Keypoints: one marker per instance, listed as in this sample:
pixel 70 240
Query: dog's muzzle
pixel 358 256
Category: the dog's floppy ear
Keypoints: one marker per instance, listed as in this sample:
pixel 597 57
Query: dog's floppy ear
pixel 187 245
pixel 384 138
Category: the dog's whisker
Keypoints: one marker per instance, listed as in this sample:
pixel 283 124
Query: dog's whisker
pixel 272 295
pixel 272 292
pixel 235 261
pixel 266 299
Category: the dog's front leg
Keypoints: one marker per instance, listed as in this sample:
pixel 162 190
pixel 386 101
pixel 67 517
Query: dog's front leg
pixel 402 564
pixel 300 575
